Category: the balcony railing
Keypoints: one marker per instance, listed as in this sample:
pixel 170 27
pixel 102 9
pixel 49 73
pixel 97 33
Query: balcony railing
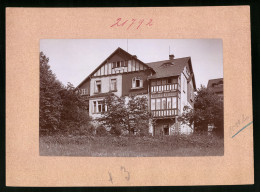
pixel 161 88
pixel 164 113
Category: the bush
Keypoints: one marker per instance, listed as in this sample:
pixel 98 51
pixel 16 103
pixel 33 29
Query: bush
pixel 115 131
pixel 101 131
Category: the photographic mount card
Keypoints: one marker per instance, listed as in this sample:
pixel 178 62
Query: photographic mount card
pixel 26 28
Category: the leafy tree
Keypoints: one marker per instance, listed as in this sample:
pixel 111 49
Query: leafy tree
pixel 62 108
pixel 50 100
pixel 126 114
pixel 208 109
pixel 138 115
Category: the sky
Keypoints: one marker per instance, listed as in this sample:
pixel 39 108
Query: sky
pixel 72 60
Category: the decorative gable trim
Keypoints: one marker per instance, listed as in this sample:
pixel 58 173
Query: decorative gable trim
pixel 107 60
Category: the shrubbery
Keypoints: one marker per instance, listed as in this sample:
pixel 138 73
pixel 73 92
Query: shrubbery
pixel 123 116
pixel 208 109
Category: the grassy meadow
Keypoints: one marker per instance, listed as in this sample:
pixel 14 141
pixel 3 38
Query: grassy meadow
pixel 133 146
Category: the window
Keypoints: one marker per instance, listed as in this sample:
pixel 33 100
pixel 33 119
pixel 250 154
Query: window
pixel 94 107
pixel 166 129
pixel 99 107
pixel 98 86
pixel 137 82
pixel 174 102
pixel 84 91
pixel 169 102
pixel 158 104
pixel 152 104
pixel 120 64
pixel 164 103
pixel 113 86
pixel 169 81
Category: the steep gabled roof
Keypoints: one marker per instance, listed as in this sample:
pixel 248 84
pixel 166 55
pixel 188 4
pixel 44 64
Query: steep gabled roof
pixel 118 50
pixel 170 68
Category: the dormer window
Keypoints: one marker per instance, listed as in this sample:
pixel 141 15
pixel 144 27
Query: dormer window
pixel 137 82
pixel 168 64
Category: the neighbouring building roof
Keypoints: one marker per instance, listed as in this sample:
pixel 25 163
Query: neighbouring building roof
pixel 216 85
pixel 169 68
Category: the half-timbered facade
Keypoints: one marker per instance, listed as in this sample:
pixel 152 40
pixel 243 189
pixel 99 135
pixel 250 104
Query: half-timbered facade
pixel 169 85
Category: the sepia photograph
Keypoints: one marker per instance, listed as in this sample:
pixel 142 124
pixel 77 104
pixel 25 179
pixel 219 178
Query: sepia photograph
pixel 131 97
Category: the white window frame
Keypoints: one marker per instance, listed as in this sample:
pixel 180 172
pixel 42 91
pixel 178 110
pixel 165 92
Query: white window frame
pixel 112 84
pixel 134 80
pixel 96 88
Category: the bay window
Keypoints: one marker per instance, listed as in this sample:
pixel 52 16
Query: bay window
pixel 164 106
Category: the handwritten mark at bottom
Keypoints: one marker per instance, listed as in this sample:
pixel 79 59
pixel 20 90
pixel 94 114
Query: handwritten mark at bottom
pixel 242 129
pixel 110 177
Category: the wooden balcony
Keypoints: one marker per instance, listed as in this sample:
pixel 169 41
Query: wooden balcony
pixel 165 88
pixel 164 113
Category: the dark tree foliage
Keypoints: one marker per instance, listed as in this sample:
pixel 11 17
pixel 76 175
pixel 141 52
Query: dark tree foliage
pixel 74 109
pixel 208 110
pixel 129 115
pixel 62 108
pixel 50 99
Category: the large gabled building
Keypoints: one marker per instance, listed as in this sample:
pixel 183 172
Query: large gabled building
pixel 169 85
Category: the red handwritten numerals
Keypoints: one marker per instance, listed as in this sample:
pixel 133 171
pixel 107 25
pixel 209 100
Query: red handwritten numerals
pixel 133 23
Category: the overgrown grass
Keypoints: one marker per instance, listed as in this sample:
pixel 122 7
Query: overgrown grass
pixel 135 146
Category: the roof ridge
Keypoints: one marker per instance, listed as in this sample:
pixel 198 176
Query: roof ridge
pixel 167 60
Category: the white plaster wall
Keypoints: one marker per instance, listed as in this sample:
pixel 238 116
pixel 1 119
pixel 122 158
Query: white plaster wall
pixel 105 84
pixel 185 129
pixel 151 127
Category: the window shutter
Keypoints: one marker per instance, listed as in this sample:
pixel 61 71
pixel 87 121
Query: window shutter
pixel 141 83
pixel 133 83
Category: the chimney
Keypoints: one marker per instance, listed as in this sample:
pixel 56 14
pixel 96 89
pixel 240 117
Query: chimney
pixel 171 57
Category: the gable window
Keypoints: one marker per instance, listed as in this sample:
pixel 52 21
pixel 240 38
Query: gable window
pixel 84 91
pixel 119 64
pixel 137 82
pixel 113 86
pixel 98 86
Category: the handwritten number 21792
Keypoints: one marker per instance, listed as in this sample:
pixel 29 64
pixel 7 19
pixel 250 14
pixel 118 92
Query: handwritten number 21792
pixel 132 23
